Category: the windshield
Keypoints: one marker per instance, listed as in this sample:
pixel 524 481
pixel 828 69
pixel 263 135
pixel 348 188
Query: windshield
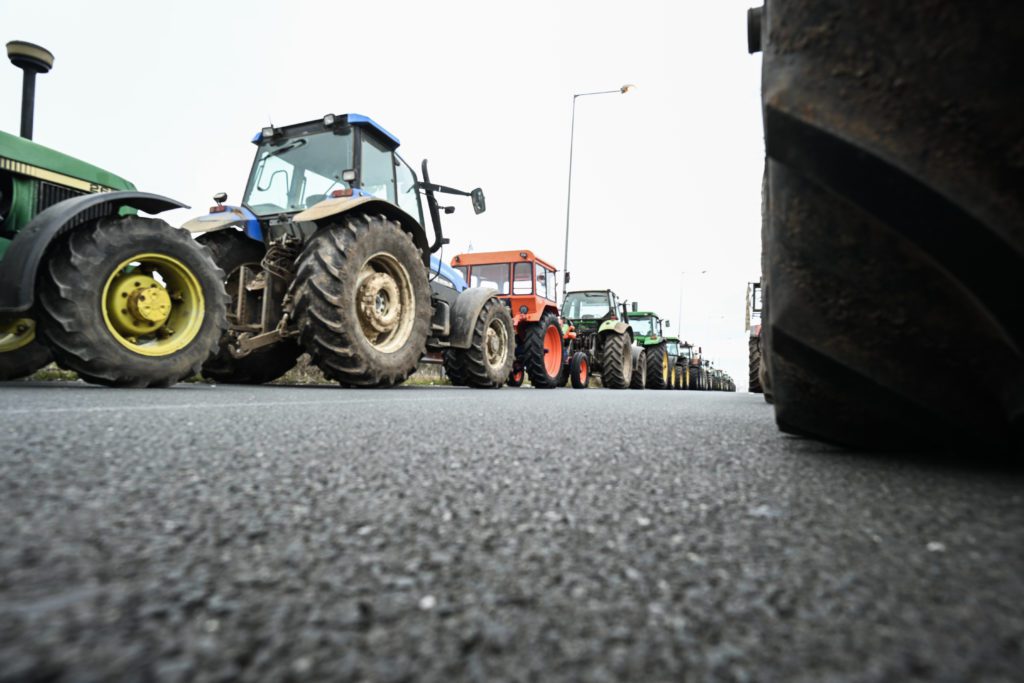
pixel 642 327
pixel 586 305
pixel 673 348
pixel 292 174
pixel 495 276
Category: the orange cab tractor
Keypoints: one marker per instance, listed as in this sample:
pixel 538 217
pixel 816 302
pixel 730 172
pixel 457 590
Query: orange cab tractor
pixel 526 284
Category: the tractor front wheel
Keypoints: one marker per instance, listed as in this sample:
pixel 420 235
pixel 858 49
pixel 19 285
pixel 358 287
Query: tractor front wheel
pixel 616 361
pixel 579 370
pixel 240 258
pixel 542 352
pixel 488 360
pixel 131 301
pixel 639 379
pixel 361 301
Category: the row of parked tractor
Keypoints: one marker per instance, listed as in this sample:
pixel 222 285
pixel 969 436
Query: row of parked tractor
pixel 328 253
pixel 594 333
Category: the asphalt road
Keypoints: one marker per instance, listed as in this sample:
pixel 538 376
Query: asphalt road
pixel 431 533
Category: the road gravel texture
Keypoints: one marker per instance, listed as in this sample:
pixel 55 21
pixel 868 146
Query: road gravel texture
pixel 225 533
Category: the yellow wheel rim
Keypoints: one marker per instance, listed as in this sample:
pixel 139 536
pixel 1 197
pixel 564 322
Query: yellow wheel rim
pixel 16 333
pixel 153 304
pixel 664 367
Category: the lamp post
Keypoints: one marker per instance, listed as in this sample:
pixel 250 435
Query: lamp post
pixel 568 198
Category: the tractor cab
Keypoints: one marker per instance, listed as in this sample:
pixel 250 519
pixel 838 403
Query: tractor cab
pixel 648 328
pixel 588 309
pixel 524 281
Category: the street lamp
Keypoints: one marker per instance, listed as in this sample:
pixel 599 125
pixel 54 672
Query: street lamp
pixel 568 198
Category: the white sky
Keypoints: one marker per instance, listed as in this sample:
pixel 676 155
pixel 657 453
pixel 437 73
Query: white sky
pixel 666 178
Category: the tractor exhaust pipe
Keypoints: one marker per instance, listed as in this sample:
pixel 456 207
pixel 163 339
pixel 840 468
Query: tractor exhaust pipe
pixel 31 59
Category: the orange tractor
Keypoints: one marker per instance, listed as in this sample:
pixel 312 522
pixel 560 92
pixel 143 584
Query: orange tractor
pixel 527 285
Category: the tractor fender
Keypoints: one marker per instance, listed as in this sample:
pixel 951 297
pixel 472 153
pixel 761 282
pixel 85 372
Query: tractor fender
pixel 616 326
pixel 334 207
pixel 465 312
pixel 20 265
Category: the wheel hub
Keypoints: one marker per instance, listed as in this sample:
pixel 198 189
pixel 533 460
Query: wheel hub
pixel 16 333
pixel 495 344
pixel 379 305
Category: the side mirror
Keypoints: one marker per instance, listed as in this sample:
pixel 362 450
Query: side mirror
pixel 666 323
pixel 479 203
pixel 348 176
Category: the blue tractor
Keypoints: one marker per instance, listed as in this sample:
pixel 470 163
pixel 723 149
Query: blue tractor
pixel 328 254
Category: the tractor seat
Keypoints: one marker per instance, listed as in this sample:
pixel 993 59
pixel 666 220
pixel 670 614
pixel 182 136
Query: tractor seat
pixel 314 199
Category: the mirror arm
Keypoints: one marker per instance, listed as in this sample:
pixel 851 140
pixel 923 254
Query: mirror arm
pixel 435 213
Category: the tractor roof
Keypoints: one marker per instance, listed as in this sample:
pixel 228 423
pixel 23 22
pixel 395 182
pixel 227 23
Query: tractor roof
pixel 32 159
pixel 638 314
pixel 351 119
pixel 479 258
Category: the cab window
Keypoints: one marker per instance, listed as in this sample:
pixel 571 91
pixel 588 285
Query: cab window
pixel 495 276
pixel 378 169
pixel 408 197
pixel 522 278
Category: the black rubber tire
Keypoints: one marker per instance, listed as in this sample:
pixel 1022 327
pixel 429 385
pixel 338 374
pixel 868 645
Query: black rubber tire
pixel 895 239
pixel 639 378
pixel 657 357
pixel 579 370
pixel 516 377
pixel 454 367
pixel 533 352
pixel 754 361
pixel 480 372
pixel 616 360
pixel 70 288
pixel 232 249
pixel 324 301
pixel 23 361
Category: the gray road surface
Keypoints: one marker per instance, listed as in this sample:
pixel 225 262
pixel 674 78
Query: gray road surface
pixel 430 533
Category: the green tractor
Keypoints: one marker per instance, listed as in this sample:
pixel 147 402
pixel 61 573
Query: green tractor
pixel 648 330
pixel 120 299
pixel 600 327
pixel 328 253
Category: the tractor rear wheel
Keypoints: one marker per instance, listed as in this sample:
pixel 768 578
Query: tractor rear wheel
pixel 21 353
pixel 616 360
pixel 488 360
pixel 542 352
pixel 755 365
pixel 895 236
pixel 240 257
pixel 132 302
pixel 639 378
pixel 579 370
pixel 657 367
pixel 361 301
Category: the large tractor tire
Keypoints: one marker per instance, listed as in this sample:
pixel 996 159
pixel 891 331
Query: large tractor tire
pixel 639 378
pixel 131 302
pixel 231 251
pixel 542 352
pixel 616 360
pixel 895 235
pixel 455 367
pixel 657 367
pixel 361 301
pixel 754 355
pixel 488 360
pixel 21 353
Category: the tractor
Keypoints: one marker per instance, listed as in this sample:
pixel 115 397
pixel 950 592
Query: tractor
pixel 649 334
pixel 694 378
pixel 526 284
pixel 753 325
pixel 599 326
pixel 327 253
pixel 676 362
pixel 120 299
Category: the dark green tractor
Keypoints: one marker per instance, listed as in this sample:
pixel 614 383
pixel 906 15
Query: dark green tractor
pixel 648 331
pixel 120 299
pixel 600 326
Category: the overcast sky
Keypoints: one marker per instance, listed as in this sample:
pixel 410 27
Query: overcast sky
pixel 666 178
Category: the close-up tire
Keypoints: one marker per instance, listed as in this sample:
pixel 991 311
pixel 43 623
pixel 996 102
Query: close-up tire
pixel 579 370
pixel 239 257
pixel 542 352
pixel 21 352
pixel 657 367
pixel 130 301
pixel 754 363
pixel 894 242
pixel 616 361
pixel 488 360
pixel 639 377
pixel 361 301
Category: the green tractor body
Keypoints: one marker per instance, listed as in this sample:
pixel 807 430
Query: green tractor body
pixel 648 331
pixel 599 326
pixel 119 299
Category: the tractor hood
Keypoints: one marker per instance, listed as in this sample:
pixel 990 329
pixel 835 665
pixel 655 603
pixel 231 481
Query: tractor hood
pixel 29 158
